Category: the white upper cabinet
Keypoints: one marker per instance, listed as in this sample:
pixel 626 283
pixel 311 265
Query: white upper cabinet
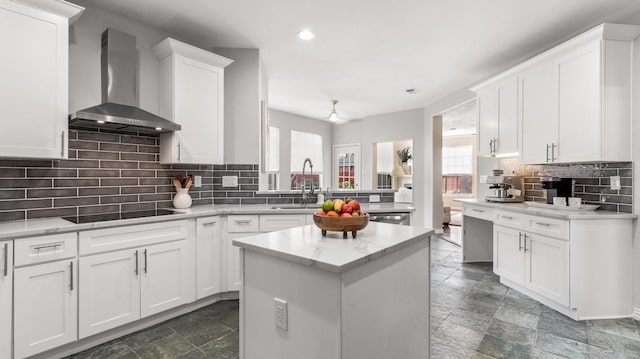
pixel 498 118
pixel 34 71
pixel 192 95
pixel 574 100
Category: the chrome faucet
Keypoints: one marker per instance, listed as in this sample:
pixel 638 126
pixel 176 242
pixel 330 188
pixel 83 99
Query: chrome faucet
pixel 304 180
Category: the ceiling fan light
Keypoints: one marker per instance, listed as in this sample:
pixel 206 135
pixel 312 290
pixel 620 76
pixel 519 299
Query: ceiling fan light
pixel 333 115
pixel 306 35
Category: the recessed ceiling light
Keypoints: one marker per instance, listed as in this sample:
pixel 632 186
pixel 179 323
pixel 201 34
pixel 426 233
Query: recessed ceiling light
pixel 306 35
pixel 158 128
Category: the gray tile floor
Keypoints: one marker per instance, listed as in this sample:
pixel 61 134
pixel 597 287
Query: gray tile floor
pixel 472 316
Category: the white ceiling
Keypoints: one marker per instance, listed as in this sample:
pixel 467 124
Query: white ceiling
pixel 368 52
pixel 460 120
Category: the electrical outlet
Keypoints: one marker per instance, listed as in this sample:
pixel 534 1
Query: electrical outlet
pixel 197 181
pixel 615 182
pixel 373 198
pixel 229 181
pixel 281 315
pixel 483 178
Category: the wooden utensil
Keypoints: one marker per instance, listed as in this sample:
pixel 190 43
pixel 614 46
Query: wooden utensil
pixel 176 183
pixel 188 182
pixel 180 179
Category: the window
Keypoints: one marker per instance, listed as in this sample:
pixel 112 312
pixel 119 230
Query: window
pixel 457 169
pixel 306 145
pixel 346 166
pixel 273 165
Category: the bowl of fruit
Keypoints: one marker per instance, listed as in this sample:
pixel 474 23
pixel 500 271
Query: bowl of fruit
pixel 341 216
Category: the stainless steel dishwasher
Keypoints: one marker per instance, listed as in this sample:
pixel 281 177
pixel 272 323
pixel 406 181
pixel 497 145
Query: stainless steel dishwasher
pixel 403 218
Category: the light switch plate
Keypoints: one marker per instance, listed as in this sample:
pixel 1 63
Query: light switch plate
pixel 615 182
pixel 229 181
pixel 483 178
pixel 373 198
pixel 197 181
pixel 281 314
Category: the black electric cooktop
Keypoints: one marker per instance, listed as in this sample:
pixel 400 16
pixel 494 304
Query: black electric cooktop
pixel 122 215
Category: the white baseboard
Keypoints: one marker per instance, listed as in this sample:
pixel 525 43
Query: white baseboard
pixel 636 313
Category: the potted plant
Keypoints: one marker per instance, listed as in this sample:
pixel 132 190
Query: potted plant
pixel 405 155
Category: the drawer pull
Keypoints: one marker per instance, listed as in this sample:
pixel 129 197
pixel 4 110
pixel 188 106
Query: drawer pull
pixel 71 275
pixel 243 221
pixel 47 246
pixel 507 217
pixel 543 224
pixel 477 210
pixel 6 259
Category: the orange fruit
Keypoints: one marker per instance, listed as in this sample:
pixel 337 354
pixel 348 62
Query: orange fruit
pixel 333 214
pixel 321 213
pixel 345 214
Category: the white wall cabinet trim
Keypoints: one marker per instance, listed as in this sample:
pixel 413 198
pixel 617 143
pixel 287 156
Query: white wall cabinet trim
pixel 6 298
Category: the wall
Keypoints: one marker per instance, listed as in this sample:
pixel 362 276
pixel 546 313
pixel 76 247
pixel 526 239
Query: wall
pixel 286 122
pixel 403 125
pixel 242 93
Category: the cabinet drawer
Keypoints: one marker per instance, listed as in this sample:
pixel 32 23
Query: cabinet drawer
pixel 509 219
pixel 243 224
pixel 45 248
pixel 276 222
pixel 477 212
pixel 557 228
pixel 110 239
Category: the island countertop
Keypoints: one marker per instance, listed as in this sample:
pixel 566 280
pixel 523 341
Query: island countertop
pixel 306 245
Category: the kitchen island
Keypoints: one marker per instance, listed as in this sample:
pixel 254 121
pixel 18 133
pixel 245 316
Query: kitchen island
pixel 345 298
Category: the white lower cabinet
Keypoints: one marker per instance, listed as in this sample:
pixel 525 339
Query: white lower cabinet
pixel 6 297
pixel 209 257
pixel 508 257
pixel 276 222
pixel 232 280
pixel 109 291
pixel 120 287
pixel 45 307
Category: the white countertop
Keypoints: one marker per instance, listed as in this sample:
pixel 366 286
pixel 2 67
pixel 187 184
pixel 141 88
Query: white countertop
pixel 42 226
pixel 551 212
pixel 306 245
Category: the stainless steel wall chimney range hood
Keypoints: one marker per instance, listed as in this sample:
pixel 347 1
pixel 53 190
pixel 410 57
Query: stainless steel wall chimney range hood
pixel 119 110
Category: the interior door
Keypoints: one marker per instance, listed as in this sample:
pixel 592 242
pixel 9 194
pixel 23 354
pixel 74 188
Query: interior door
pixel 346 166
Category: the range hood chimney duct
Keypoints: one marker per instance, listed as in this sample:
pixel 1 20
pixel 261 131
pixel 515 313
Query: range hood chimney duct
pixel 119 110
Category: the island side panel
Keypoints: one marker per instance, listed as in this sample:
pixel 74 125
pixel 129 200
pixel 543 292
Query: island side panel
pixel 313 298
pixel 385 306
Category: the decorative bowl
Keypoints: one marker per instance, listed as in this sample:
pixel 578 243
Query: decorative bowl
pixel 341 224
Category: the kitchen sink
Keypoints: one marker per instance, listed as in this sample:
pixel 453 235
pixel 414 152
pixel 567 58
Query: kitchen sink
pixel 291 206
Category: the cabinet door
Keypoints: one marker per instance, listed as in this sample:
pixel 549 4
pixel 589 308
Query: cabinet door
pixel 507 138
pixel 209 254
pixel 109 291
pixel 487 120
pixel 199 90
pixel 45 307
pixel 579 126
pixel 233 281
pixel 508 254
pixel 165 277
pixel 547 267
pixel 538 119
pixel 6 296
pixel 34 73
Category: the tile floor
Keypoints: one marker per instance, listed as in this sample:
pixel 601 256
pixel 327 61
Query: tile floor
pixel 472 316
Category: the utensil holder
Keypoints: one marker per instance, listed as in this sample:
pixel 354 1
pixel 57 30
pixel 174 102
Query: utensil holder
pixel 182 199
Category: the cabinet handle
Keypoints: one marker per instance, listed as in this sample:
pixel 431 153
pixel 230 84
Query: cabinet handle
pixel 507 217
pixel 136 254
pixel 145 261
pixel 244 221
pixel 543 224
pixel 6 259
pixel 71 270
pixel 495 145
pixel 54 246
pixel 553 152
pixel 477 210
pixel 491 146
pixel 525 243
pixel 519 241
pixel 547 152
pixel 62 145
pixel 178 151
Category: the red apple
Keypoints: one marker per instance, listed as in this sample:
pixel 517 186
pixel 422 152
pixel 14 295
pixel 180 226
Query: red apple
pixel 346 208
pixel 355 205
pixel 345 214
